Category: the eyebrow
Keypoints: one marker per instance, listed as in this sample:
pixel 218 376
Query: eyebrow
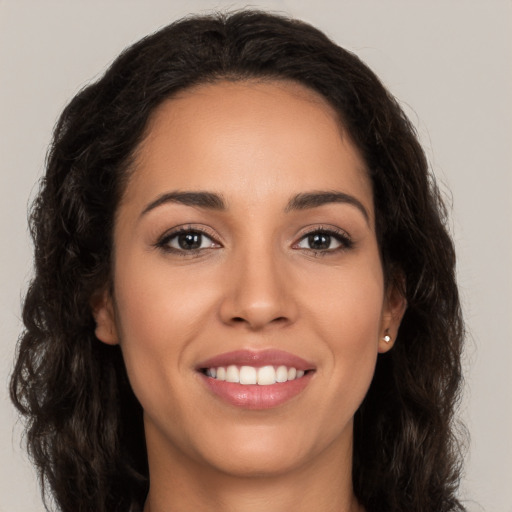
pixel 207 200
pixel 315 199
pixel 213 201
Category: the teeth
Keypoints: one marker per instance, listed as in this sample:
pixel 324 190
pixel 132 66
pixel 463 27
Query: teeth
pixel 264 376
pixel 248 375
pixel 282 374
pixel 232 374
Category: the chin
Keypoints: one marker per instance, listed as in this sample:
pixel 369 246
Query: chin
pixel 259 461
pixel 265 451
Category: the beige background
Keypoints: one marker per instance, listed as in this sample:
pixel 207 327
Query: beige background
pixel 448 61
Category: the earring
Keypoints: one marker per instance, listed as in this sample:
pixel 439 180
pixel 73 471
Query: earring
pixel 387 338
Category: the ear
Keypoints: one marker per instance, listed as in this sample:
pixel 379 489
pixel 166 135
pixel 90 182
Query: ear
pixel 394 308
pixel 103 313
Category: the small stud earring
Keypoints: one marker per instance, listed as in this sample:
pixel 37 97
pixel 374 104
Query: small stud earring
pixel 387 338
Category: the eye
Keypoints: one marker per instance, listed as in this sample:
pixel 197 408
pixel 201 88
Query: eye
pixel 186 240
pixel 325 240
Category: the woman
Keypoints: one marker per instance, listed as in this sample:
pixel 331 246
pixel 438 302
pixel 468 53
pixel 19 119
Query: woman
pixel 244 295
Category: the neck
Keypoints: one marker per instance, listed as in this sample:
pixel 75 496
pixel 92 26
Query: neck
pixel 252 495
pixel 325 483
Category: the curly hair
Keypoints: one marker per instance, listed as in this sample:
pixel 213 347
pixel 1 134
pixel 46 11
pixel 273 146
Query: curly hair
pixel 84 425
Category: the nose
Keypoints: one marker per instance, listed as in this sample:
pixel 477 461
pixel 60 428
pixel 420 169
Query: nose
pixel 258 292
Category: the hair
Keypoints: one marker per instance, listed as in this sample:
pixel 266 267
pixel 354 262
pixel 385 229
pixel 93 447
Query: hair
pixel 84 426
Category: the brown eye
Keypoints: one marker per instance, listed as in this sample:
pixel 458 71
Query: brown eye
pixel 324 241
pixel 187 241
pixel 321 241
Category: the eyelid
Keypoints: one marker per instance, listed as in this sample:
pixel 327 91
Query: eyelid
pixel 163 240
pixel 323 228
pixel 341 235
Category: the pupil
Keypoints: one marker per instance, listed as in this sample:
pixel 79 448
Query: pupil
pixel 189 241
pixel 319 241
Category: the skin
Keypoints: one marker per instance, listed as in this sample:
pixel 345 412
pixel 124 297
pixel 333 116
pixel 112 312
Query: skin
pixel 256 283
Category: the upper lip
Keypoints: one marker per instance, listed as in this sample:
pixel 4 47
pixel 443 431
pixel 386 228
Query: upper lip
pixel 268 357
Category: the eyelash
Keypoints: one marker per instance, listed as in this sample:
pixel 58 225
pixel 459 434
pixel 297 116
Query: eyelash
pixel 164 242
pixel 339 235
pixel 342 237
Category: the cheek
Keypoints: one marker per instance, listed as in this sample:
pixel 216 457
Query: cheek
pixel 160 307
pixel 348 304
pixel 160 310
pixel 347 316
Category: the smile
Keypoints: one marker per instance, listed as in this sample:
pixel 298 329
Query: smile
pixel 256 380
pixel 247 375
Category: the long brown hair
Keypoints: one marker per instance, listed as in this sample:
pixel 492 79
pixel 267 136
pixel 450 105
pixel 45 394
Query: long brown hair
pixel 84 426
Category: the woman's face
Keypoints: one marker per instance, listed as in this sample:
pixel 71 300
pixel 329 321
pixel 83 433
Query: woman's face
pixel 246 238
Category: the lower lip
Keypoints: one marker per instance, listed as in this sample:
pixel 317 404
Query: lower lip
pixel 253 396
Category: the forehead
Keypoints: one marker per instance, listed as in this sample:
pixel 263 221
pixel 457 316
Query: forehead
pixel 248 138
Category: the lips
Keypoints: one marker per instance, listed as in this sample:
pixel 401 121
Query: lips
pixel 257 359
pixel 256 380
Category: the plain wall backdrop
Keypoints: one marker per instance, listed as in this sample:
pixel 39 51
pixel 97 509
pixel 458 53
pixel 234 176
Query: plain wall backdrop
pixel 450 64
